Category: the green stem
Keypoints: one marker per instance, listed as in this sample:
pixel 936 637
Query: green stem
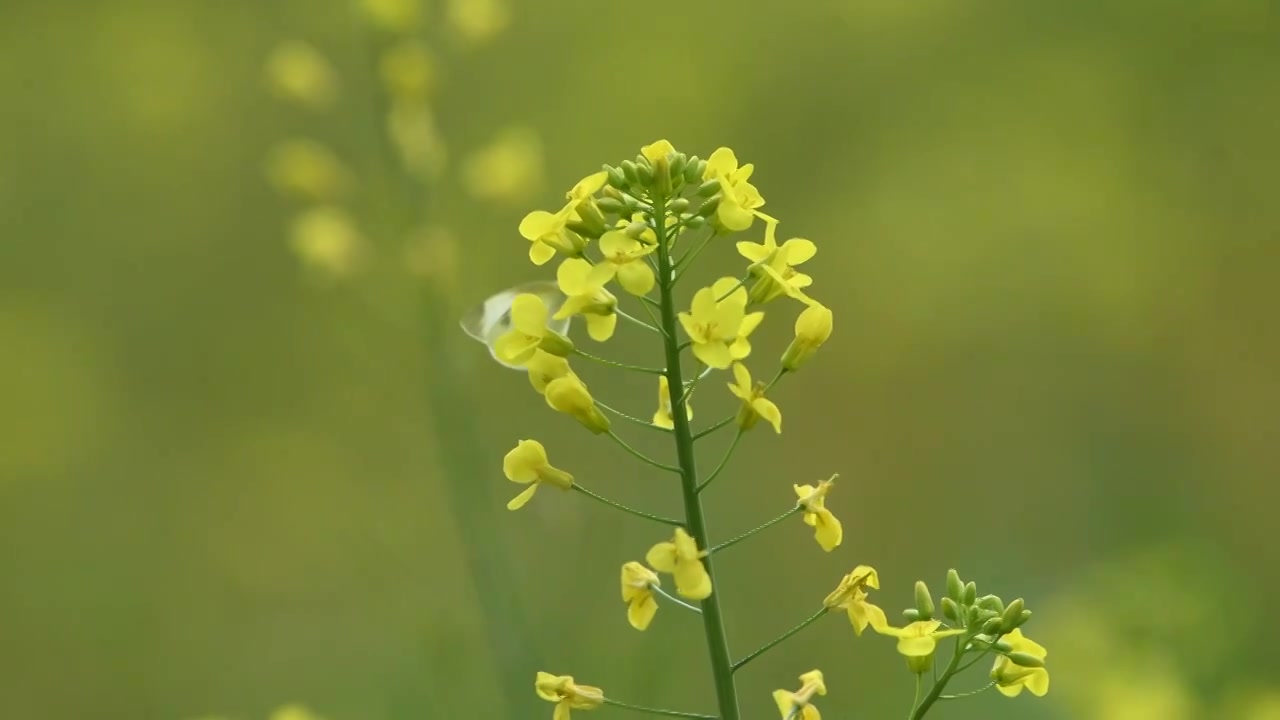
pixel 636 320
pixel 723 461
pixel 658 711
pixel 971 693
pixel 769 645
pixel 753 531
pixel 648 310
pixel 632 418
pixel 919 686
pixel 776 378
pixel 712 621
pixel 675 600
pixel 614 363
pixel 707 431
pixel 625 509
pixel 687 258
pixel 641 456
pixel 920 707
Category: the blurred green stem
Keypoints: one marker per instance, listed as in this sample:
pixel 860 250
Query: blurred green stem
pixel 614 363
pixel 769 645
pixel 624 508
pixel 641 456
pixel 753 531
pixel 712 621
pixel 657 711
pixel 723 462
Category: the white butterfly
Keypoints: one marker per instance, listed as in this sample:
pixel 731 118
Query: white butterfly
pixel 489 320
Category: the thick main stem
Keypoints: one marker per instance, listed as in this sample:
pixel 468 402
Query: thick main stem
pixel 712 621
pixel 922 706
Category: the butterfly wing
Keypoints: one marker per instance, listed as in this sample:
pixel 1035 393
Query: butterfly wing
pixel 489 320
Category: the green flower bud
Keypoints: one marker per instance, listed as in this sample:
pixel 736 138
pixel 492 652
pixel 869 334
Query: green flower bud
pixel 693 222
pixel 691 171
pixel 1012 616
pixel 678 205
pixel 1003 646
pixel 556 344
pixel 611 205
pixel 955 588
pixel 708 208
pixel 992 603
pixel 1023 617
pixel 642 161
pixel 617 178
pixel 709 188
pixel 679 161
pixel 911 615
pixel 970 593
pixel 924 601
pixel 950 610
pixel 993 627
pixel 646 174
pixel 700 171
pixel 590 222
pixel 975 616
pixel 636 229
pixel 629 171
pixel 1025 660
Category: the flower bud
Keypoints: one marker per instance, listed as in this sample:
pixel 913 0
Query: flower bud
pixel 646 175
pixel 636 229
pixel 691 170
pixel 970 592
pixel 1012 616
pixel 568 395
pixel 950 610
pixel 700 171
pixel 590 221
pixel 992 627
pixel 709 188
pixel 617 178
pixel 924 601
pixel 911 615
pixel 975 616
pixel 708 208
pixel 955 588
pixel 678 163
pixel 642 161
pixel 678 205
pixel 1025 660
pixel 992 603
pixel 1023 617
pixel 813 327
pixel 611 205
pixel 629 172
pixel 556 344
pixel 692 222
pixel 1002 646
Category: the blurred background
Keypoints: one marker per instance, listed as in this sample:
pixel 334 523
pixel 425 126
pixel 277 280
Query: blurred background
pixel 250 468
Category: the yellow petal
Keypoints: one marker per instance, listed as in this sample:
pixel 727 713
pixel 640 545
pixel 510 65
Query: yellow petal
pixel 571 276
pixel 917 646
pixel 521 463
pixel 742 377
pixel 600 327
pixel 636 277
pixel 641 610
pixel 766 409
pixel 515 347
pixel 755 252
pixel 518 501
pixel 692 328
pixel 786 702
pixel 529 315
pixel 733 217
pixel 541 253
pixel 616 242
pixel 704 305
pixel 692 580
pixel 1038 682
pixel 601 274
pixel 537 224
pixel 653 152
pixel 589 185
pixel 713 354
pixel 798 250
pixel 810 713
pixel 750 323
pixel 662 557
pixel 562 711
pixel 721 162
pixel 828 531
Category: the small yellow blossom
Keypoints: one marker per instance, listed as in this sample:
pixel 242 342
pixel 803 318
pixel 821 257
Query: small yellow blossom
pixel 813 328
pixel 549 231
pixel 528 464
pixel 507 170
pixel 918 641
pixel 730 290
pixel 663 418
pixel 850 595
pixel 739 199
pixel 393 15
pixel 713 326
pixel 796 705
pixel 681 558
pixel 544 367
pixel 528 332
pixel 654 152
pixel 583 285
pixel 1011 678
pixel 307 170
pixel 587 187
pixel 478 21
pixel 408 71
pixel 570 396
pixel 781 259
pixel 638 582
pixel 296 71
pixel 625 258
pixel 827 529
pixel 489 321
pixel 327 240
pixel 566 694
pixel 754 404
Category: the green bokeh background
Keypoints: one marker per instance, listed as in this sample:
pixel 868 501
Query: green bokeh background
pixel 1048 231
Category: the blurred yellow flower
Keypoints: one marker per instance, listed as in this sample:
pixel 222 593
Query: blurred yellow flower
pixel 393 15
pixel 528 464
pixel 782 259
pixel 739 199
pixel 850 595
pixel 918 641
pixel 583 286
pixel 625 257
pixel 413 131
pixel 662 418
pixel 507 170
pixel 754 404
pixel 297 72
pixel 307 170
pixel 408 71
pixel 528 332
pixel 712 326
pixel 653 152
pixel 1011 678
pixel 813 328
pixel 570 396
pixel 477 21
pixel 681 558
pixel 326 239
pixel 566 694
pixel 827 529
pixel 293 712
pixel 637 592
pixel 795 705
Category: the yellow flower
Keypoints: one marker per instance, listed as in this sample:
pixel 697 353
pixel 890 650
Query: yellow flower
pixel 739 199
pixel 918 641
pixel 478 20
pixel 570 396
pixel 528 464
pixel 754 404
pixel 662 418
pixel 488 321
pixel 827 530
pixel 394 15
pixel 712 326
pixel 813 328
pixel 508 169
pixel 796 704
pixel 544 367
pixel 1011 678
pixel 850 595
pixel 730 290
pixel 529 332
pixel 549 232
pixel 654 152
pixel 327 240
pixel 638 582
pixel 681 558
pixel 306 169
pixel 566 694
pixel 298 72
pixel 586 187
pixel 408 70
pixel 781 259
pixel 625 257
pixel 293 712
pixel 583 285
